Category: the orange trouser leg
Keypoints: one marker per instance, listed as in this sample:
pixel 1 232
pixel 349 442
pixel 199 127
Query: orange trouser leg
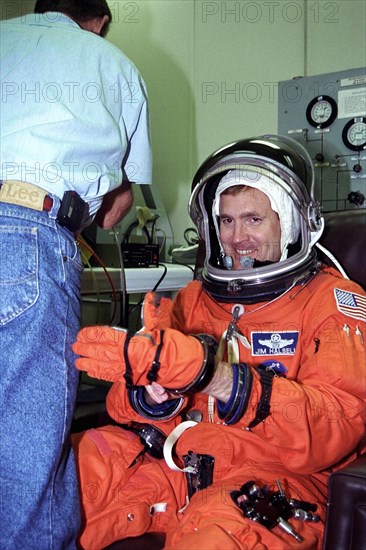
pixel 212 521
pixel 118 488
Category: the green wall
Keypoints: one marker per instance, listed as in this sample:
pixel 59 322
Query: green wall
pixel 212 69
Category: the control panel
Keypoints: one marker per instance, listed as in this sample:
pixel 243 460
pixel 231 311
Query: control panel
pixel 327 115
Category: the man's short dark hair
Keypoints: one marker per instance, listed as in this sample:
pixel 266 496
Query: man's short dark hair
pixel 79 10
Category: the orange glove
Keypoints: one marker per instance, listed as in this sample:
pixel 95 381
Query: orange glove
pixel 157 311
pixel 178 362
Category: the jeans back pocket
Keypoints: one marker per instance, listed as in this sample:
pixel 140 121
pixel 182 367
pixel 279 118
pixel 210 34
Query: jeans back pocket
pixel 19 287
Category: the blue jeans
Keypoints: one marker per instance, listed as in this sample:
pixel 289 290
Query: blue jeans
pixel 40 273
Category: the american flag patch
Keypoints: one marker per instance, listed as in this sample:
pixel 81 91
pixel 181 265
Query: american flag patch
pixel 351 304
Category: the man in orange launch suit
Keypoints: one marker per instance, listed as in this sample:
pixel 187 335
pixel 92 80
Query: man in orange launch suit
pixel 255 373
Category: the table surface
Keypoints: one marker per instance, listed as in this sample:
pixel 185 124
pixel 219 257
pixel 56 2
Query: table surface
pixel 137 279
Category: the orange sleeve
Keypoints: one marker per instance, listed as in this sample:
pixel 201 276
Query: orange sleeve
pixel 120 409
pixel 318 417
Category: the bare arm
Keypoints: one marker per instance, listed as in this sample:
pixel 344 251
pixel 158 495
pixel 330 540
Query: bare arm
pixel 220 386
pixel 222 382
pixel 115 206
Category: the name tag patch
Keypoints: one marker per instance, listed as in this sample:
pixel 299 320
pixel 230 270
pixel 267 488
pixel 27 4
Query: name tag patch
pixel 274 343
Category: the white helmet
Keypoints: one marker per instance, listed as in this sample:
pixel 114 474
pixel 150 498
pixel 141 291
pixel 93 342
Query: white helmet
pixel 282 169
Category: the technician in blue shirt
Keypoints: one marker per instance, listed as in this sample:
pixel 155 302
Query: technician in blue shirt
pixel 74 120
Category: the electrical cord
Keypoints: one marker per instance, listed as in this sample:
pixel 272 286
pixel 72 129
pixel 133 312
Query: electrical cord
pixel 126 311
pixel 161 247
pixel 161 278
pixel 95 283
pixel 156 286
pixel 176 262
pixel 82 242
pixel 153 227
pixel 126 238
pixel 191 240
pixel 148 234
pixel 123 284
pixel 333 259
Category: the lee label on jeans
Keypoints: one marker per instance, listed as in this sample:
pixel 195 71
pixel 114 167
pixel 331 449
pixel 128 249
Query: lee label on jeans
pixel 22 194
pixel 274 343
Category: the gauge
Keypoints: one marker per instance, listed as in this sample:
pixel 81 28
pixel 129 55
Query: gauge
pixel 354 134
pixel 321 111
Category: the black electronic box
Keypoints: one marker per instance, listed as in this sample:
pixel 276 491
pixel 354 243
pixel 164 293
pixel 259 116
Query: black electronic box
pixel 140 255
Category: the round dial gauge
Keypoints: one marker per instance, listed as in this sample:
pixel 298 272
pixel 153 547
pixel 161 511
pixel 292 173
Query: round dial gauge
pixel 321 111
pixel 354 134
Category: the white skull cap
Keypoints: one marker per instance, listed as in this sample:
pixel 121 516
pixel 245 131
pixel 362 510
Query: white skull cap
pixel 280 202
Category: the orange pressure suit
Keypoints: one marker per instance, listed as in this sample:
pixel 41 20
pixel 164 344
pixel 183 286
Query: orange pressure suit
pixel 316 424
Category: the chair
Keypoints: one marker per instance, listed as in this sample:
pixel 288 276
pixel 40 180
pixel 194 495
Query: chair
pixel 345 236
pixel 345 526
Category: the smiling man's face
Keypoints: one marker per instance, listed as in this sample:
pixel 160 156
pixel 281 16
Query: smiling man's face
pixel 249 226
